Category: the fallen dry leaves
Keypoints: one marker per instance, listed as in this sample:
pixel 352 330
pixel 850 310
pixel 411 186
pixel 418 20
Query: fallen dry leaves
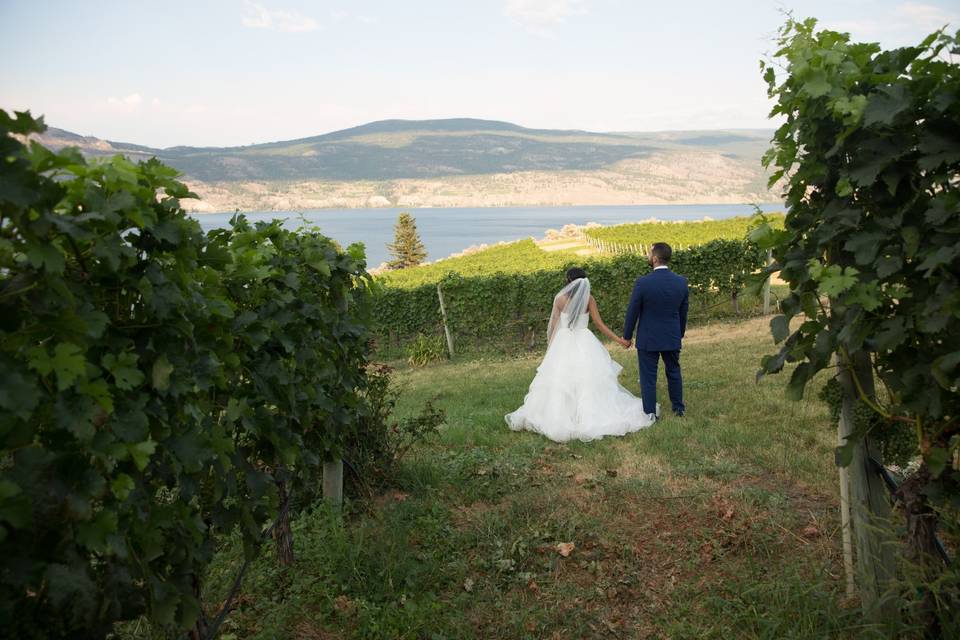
pixel 344 605
pixel 725 510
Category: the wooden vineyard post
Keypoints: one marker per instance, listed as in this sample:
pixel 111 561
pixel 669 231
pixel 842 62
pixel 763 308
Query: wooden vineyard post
pixel 845 522
pixel 333 481
pixel 870 508
pixel 766 285
pixel 282 532
pixel 443 315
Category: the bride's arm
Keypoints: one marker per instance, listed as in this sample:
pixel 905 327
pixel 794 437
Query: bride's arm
pixel 604 329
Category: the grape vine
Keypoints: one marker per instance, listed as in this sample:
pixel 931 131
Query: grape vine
pixel 159 386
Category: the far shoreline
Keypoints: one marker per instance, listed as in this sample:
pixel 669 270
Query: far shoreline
pixel 296 210
pixel 446 231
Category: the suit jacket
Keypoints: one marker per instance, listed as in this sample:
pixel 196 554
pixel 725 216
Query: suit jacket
pixel 658 311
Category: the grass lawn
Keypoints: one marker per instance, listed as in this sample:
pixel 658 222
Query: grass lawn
pixel 723 524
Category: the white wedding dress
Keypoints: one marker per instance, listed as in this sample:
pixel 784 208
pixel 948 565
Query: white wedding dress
pixel 576 394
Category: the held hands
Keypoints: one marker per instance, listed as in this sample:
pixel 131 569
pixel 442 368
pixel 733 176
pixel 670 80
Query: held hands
pixel 626 344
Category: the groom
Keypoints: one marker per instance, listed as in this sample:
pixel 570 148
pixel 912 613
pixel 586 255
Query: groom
pixel 659 301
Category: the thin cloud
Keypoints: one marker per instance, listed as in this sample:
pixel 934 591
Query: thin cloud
pixel 131 102
pixel 904 23
pixel 257 16
pixel 141 107
pixel 925 16
pixel 341 16
pixel 541 16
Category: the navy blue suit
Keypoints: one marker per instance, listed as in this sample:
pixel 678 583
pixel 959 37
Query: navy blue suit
pixel 658 313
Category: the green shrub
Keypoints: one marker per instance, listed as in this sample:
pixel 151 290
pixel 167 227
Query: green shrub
pixel 426 349
pixel 374 450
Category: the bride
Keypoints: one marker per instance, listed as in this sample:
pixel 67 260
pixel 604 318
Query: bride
pixel 576 394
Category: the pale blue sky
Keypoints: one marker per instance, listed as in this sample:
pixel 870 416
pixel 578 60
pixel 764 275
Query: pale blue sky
pixel 229 72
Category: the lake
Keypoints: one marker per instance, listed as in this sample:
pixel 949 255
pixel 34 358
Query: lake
pixel 446 231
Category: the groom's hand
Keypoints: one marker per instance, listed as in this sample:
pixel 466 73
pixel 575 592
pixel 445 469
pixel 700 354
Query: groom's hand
pixel 627 343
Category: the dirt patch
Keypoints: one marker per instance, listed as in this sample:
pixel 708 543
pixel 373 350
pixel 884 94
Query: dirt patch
pixel 560 246
pixel 728 332
pixel 390 497
pixel 306 630
pixel 466 516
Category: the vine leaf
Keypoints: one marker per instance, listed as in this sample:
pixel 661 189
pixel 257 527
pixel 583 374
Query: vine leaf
pixel 161 373
pixel 865 294
pixel 67 363
pixel 99 391
pixel 865 246
pixel 9 489
pixel 798 381
pixel 942 256
pixel 834 280
pixel 141 452
pixel 47 256
pixel 888 265
pixel 943 366
pixel 93 533
pixel 936 459
pixel 911 240
pixel 885 105
pixel 121 486
pixel 780 327
pixel 817 86
pixel 70 584
pixel 123 368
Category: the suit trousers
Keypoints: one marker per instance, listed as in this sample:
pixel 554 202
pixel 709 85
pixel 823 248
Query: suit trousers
pixel 649 364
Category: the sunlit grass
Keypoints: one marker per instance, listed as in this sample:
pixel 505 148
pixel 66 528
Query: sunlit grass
pixel 692 528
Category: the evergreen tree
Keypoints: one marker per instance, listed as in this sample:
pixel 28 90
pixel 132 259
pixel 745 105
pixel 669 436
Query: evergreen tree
pixel 407 249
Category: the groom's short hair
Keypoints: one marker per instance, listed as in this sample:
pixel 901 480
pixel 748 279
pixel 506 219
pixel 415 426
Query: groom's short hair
pixel 661 251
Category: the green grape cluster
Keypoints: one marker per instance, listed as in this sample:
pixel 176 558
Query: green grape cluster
pixel 832 395
pixel 896 440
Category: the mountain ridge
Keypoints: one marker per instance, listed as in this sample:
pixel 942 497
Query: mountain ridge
pixel 390 125
pixel 461 162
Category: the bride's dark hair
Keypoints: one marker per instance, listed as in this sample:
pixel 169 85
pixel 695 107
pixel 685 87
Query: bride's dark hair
pixel 575 273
